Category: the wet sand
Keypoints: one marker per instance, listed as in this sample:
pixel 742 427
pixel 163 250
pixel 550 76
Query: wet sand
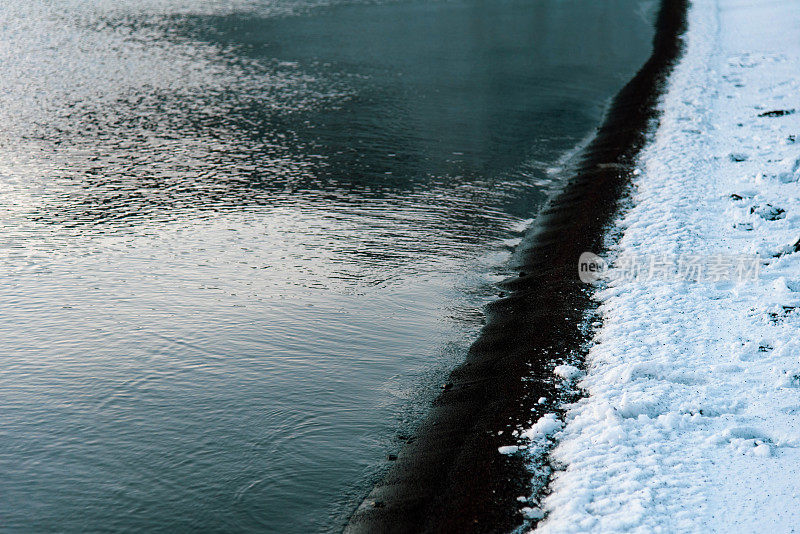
pixel 449 476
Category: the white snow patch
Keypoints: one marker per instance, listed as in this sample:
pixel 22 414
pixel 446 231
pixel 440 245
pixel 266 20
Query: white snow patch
pixel 532 513
pixel 520 225
pixel 692 419
pixel 567 372
pixel 544 427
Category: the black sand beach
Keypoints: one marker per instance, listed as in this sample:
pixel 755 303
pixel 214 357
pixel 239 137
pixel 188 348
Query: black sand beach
pixel 449 477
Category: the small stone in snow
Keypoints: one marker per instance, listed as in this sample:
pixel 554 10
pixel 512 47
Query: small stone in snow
pixel 738 157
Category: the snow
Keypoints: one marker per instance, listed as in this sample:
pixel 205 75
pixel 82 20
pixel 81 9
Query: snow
pixel 532 513
pixel 536 436
pixel 692 416
pixel 567 372
pixel 544 427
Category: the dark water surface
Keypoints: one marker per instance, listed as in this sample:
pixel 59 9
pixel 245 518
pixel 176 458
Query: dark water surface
pixel 243 242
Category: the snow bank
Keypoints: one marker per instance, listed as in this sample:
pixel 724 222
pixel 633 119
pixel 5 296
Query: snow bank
pixel 692 419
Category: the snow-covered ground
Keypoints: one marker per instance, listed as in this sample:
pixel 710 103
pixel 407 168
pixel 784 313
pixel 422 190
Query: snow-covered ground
pixel 692 416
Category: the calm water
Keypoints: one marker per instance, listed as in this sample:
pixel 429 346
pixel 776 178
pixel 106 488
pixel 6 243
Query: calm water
pixel 242 242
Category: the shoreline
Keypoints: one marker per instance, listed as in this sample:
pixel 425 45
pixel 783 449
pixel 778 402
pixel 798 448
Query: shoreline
pixel 691 421
pixel 450 476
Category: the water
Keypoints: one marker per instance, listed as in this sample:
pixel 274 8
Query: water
pixel 243 242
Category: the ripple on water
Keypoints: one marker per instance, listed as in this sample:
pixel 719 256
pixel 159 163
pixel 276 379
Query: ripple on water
pixel 242 241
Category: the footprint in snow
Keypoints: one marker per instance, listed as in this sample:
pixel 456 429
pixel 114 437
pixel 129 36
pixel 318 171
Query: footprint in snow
pixel 745 440
pixel 742 194
pixel 789 379
pixel 768 212
pixel 751 353
pixel 776 113
pixel 781 315
pixel 788 249
pixel 792 285
pixel 792 175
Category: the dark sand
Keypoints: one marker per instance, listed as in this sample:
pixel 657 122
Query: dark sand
pixel 449 477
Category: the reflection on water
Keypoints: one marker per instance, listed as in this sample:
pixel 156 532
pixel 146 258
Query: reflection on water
pixel 242 241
